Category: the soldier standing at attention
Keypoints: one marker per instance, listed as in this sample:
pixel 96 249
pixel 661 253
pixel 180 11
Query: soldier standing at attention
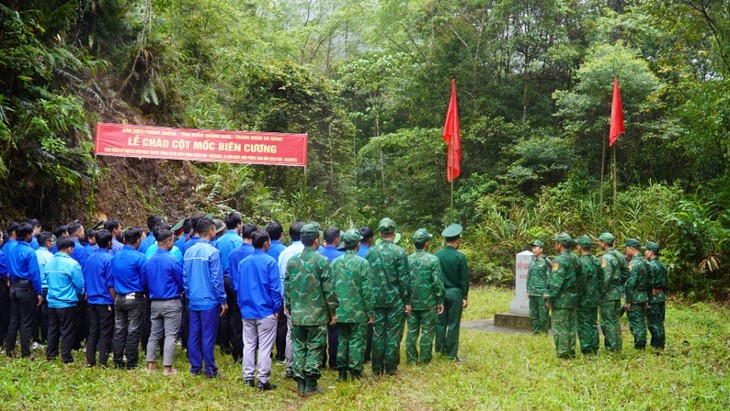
pixel 427 298
pixel 353 288
pixel 562 297
pixel 636 293
pixel 392 290
pixel 537 278
pixel 589 293
pixel 312 304
pixel 657 284
pixel 455 274
pixel 611 289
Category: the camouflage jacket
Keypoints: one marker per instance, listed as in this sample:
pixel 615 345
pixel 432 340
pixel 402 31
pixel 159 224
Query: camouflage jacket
pixel 537 276
pixel 390 276
pixel 353 288
pixel 589 282
pixel 623 266
pixel 309 295
pixel 427 288
pixel 657 280
pixel 611 288
pixel 562 289
pixel 637 284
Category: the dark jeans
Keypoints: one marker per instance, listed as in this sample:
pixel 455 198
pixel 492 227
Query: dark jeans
pixel 281 330
pixel 101 329
pixel 40 321
pixel 4 309
pixel 23 301
pixel 230 327
pixel 128 322
pixel 61 323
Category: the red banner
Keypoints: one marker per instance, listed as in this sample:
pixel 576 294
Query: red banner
pixel 249 147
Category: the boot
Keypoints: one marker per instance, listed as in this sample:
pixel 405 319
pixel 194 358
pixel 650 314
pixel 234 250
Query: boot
pixel 311 387
pixel 343 376
pixel 300 386
pixel 356 375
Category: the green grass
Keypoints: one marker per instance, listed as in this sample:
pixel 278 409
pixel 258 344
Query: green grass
pixel 503 371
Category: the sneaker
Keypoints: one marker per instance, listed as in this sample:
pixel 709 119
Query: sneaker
pixel 265 386
pixel 248 383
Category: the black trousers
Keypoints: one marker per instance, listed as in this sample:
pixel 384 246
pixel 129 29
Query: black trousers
pixel 40 321
pixel 4 309
pixel 230 327
pixel 333 336
pixel 61 324
pixel 101 330
pixel 23 301
pixel 81 327
pixel 281 329
pixel 369 343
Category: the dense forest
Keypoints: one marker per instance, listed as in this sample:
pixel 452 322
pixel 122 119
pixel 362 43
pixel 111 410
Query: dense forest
pixel 369 81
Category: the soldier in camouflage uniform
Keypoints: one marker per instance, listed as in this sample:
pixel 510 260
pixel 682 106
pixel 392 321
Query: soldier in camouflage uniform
pixel 312 303
pixel 657 284
pixel 636 293
pixel 354 291
pixel 562 297
pixel 427 298
pixel 611 290
pixel 537 278
pixel 392 291
pixel 589 292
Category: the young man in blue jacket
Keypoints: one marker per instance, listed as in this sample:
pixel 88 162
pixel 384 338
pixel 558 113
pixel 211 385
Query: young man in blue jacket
pixel 100 297
pixel 203 283
pixel 230 340
pixel 65 289
pixel 259 297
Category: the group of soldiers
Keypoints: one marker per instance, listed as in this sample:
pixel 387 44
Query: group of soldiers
pixel 572 290
pixel 206 281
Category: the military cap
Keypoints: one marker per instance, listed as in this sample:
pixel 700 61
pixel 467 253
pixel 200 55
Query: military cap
pixel 341 244
pixel 386 226
pixel 219 225
pixel 454 230
pixel 584 241
pixel 421 236
pixel 564 239
pixel 652 246
pixel 98 225
pixel 178 225
pixel 606 238
pixel 538 243
pixel 351 238
pixel 309 231
pixel 632 242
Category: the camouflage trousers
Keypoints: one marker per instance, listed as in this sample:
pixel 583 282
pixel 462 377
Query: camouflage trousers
pixel 423 322
pixel 610 325
pixel 588 329
pixel 351 347
pixel 655 319
pixel 309 343
pixel 387 335
pixel 564 331
pixel 539 318
pixel 637 324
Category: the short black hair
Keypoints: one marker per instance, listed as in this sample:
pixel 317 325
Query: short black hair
pixel 366 233
pixel 35 222
pixel 64 243
pixel 295 230
pixel 73 228
pixel 307 242
pixel 162 234
pixel 194 220
pixel 90 233
pixel 152 221
pixel 233 220
pixel 247 230
pixel 259 238
pixel 187 225
pixel 12 228
pixel 23 230
pixel 103 238
pixel 132 234
pixel 275 230
pixel 204 225
pixel 112 224
pixel 44 237
pixel 60 230
pixel 331 234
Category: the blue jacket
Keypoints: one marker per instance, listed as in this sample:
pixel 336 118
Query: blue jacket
pixel 3 266
pixel 226 244
pixel 191 242
pixel 237 256
pixel 276 248
pixel 203 277
pixel 128 271
pixel 146 243
pixel 330 251
pixel 98 277
pixel 258 286
pixel 363 251
pixel 180 242
pixel 90 249
pixel 23 265
pixel 9 245
pixel 79 253
pixel 152 250
pixel 44 257
pixel 65 281
pixel 34 243
pixel 116 246
pixel 164 275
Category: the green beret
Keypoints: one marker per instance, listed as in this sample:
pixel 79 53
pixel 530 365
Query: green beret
pixel 606 238
pixel 421 236
pixel 386 226
pixel 652 246
pixel 309 231
pixel 584 241
pixel 351 239
pixel 632 242
pixel 564 239
pixel 538 243
pixel 454 230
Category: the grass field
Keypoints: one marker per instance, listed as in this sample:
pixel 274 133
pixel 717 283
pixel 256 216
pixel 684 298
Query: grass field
pixel 503 371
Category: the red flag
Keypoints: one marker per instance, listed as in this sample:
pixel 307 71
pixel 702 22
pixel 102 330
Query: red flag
pixel 617 115
pixel 452 137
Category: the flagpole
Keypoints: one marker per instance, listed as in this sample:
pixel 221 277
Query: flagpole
pixel 614 177
pixel 603 170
